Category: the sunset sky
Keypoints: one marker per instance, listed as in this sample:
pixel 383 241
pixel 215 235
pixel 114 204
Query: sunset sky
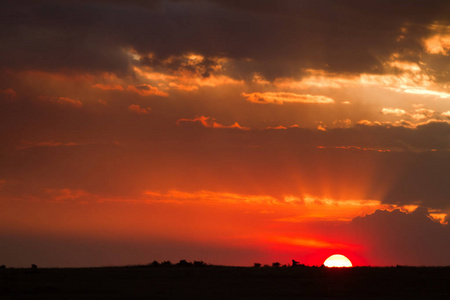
pixel 226 131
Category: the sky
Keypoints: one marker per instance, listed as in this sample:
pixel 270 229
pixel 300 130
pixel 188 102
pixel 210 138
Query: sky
pixel 231 132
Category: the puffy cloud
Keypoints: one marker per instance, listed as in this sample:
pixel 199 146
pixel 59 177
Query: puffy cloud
pixel 418 115
pixel 347 123
pixel 393 111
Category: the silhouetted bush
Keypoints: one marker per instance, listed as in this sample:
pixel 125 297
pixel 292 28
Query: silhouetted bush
pixel 276 264
pixel 184 263
pixel 199 263
pixel 256 265
pixel 297 264
pixel 34 269
pixel 154 264
pixel 2 267
pixel 166 263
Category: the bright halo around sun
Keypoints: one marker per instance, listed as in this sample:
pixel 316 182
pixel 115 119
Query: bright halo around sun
pixel 337 261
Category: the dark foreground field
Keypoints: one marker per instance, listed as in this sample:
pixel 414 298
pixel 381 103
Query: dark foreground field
pixel 225 283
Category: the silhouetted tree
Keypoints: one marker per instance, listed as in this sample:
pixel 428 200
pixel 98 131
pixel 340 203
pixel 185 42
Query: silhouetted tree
pixel 256 265
pixel 294 263
pixel 2 267
pixel 276 264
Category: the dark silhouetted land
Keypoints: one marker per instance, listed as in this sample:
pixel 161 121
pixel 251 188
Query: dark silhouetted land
pixel 216 282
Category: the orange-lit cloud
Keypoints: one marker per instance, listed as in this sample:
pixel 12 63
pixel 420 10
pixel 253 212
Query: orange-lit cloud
pixel 138 109
pixel 209 196
pixel 113 87
pixel 321 126
pixel 62 101
pixel 369 123
pixel 147 90
pixel 418 114
pixel 209 122
pixel 192 72
pixel 235 125
pixel 326 209
pixel 65 194
pixel 7 94
pixel 354 148
pixel 276 127
pixel 422 113
pixel 282 127
pixel 438 43
pixel 411 78
pixel 404 66
pixel 30 144
pixel 313 209
pixel 425 92
pixel 310 243
pixel 402 123
pixel 202 119
pixel 183 87
pixel 346 123
pixel 281 97
pixel 393 111
pixel 439 217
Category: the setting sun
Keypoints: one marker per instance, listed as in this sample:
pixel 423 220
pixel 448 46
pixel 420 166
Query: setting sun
pixel 337 261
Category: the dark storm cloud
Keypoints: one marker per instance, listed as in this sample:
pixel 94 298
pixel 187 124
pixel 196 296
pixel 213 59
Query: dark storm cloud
pixel 275 38
pixel 405 239
pixel 52 36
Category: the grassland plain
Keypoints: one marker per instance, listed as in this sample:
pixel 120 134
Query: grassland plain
pixel 220 282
